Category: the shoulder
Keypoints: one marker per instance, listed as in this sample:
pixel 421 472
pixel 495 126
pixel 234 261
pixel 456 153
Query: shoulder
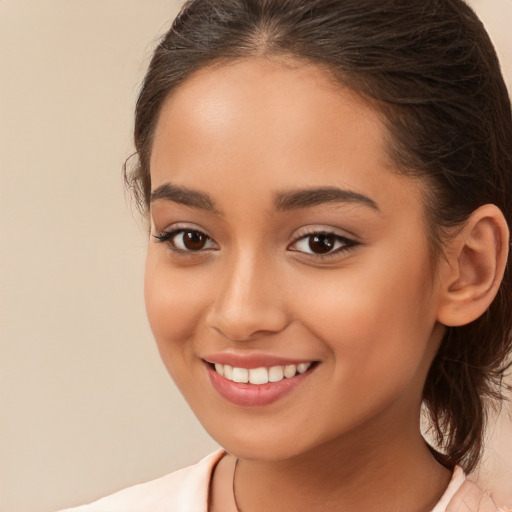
pixel 185 489
pixel 471 498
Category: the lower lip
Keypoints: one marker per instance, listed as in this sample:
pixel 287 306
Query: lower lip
pixel 254 395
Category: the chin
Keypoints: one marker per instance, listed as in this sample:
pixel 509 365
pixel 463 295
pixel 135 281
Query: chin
pixel 257 444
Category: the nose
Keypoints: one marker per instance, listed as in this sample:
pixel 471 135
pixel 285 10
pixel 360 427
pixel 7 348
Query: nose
pixel 249 301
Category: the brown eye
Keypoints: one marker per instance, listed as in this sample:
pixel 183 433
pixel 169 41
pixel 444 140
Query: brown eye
pixel 322 244
pixel 193 240
pixel 186 240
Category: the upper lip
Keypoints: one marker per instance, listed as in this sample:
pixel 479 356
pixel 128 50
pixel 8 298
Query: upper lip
pixel 249 361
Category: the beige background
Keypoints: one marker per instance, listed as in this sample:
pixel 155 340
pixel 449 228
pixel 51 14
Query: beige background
pixel 85 405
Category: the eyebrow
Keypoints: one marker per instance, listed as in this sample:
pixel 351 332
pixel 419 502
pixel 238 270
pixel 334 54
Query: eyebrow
pixel 306 198
pixel 185 196
pixel 292 200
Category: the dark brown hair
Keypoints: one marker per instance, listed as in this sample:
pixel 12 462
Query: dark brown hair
pixel 431 69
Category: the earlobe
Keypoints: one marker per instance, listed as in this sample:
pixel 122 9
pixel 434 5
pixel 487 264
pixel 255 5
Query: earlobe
pixel 474 266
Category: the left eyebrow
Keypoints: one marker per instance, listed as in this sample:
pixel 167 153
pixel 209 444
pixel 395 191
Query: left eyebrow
pixel 306 198
pixel 184 196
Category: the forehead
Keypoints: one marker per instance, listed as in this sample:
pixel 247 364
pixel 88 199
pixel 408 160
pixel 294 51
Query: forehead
pixel 273 124
pixel 271 104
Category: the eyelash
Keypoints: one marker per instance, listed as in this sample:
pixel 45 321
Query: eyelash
pixel 167 237
pixel 344 244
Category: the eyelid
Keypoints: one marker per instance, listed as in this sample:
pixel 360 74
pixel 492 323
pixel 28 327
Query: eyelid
pixel 166 235
pixel 321 229
pixel 349 242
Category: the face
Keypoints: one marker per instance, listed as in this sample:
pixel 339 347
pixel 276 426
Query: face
pixel 288 278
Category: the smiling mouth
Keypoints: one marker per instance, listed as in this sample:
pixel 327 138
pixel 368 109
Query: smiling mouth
pixel 258 385
pixel 262 375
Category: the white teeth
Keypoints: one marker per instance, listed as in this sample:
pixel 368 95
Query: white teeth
pixel 275 374
pixel 241 375
pixel 261 375
pixel 302 367
pixel 228 372
pixel 290 371
pixel 258 375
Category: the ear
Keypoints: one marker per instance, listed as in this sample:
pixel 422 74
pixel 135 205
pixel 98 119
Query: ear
pixel 473 269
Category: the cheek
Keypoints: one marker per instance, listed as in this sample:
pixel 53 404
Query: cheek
pixel 174 306
pixel 371 314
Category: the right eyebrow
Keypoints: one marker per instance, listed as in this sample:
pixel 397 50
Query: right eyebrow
pixel 306 198
pixel 184 196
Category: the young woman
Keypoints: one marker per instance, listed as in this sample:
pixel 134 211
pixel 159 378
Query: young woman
pixel 329 191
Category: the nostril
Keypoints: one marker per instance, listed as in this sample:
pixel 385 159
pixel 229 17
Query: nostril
pixel 253 324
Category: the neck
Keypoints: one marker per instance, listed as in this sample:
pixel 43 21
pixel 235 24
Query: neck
pixel 393 474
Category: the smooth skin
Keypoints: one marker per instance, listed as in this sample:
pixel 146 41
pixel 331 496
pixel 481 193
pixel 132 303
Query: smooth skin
pixel 236 269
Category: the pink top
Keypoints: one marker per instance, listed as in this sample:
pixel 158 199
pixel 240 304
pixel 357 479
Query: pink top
pixel 186 490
